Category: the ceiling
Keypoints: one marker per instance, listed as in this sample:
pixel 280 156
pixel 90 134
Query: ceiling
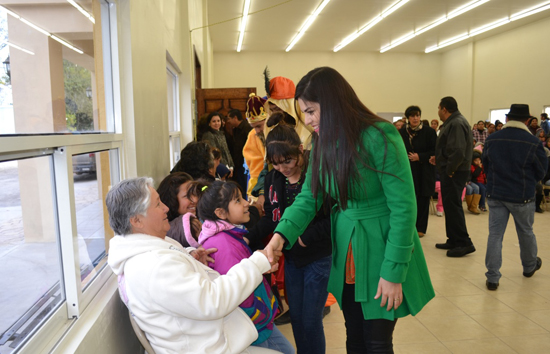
pixel 272 24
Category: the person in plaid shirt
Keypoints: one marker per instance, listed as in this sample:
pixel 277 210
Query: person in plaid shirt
pixel 480 133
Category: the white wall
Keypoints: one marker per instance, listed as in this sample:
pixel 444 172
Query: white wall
pixel 384 82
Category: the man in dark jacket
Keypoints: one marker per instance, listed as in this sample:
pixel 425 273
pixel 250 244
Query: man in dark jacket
pixel 453 156
pixel 241 128
pixel 514 161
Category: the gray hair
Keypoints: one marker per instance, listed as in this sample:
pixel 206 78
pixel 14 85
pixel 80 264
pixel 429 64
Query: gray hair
pixel 127 199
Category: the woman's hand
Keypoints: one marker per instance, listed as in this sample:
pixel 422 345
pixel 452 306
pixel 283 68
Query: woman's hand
pixel 392 293
pixel 275 263
pixel 413 156
pixel 203 256
pixel 275 245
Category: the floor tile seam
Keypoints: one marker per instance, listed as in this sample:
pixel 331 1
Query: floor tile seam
pixel 457 341
pixel 522 315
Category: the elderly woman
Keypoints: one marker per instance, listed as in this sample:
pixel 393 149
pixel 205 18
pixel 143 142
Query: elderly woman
pixel 420 144
pixel 182 305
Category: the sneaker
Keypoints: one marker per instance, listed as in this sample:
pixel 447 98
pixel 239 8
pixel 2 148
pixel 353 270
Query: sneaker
pixel 439 213
pixel 537 267
pixel 491 286
pixel 461 251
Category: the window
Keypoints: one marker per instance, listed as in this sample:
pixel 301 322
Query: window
pixel 172 92
pixel 498 114
pixel 59 153
pixel 547 110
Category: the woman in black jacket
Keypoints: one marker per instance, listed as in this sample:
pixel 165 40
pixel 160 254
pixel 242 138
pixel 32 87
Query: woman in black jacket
pixel 307 263
pixel 420 144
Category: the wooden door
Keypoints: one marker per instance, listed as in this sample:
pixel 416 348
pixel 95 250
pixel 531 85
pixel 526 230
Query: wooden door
pixel 222 100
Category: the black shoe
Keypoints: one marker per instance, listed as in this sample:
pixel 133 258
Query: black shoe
pixel 539 210
pixel 537 267
pixel 461 251
pixel 444 246
pixel 282 319
pixel 326 311
pixel 491 286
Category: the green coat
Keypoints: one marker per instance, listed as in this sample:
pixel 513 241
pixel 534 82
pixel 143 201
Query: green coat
pixel 379 223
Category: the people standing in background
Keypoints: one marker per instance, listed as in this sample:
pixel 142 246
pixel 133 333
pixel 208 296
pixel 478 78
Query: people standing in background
pixel 420 145
pixel 240 129
pixel 533 125
pixel 453 156
pixel 498 125
pixel 490 129
pixel 544 123
pixel 435 125
pixel 378 274
pixel 514 161
pixel 398 124
pixel 216 138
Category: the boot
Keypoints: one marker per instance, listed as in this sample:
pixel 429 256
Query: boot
pixel 468 200
pixel 538 200
pixel 475 201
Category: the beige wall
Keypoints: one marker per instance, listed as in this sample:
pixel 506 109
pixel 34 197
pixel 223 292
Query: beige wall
pixel 385 82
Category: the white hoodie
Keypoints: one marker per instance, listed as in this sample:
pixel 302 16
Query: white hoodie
pixel 182 305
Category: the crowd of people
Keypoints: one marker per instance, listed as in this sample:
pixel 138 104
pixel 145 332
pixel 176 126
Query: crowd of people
pixel 283 201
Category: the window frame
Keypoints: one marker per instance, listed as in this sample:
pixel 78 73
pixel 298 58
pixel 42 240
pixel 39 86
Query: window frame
pixel 172 68
pixel 61 148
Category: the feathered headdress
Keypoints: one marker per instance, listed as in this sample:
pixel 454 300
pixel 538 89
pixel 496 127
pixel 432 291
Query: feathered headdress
pixel 266 81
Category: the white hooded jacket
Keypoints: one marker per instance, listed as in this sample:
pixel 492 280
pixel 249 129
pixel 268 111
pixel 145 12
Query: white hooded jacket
pixel 182 305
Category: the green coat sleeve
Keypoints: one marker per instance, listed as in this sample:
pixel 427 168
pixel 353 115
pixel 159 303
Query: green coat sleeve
pixel 297 217
pixel 397 186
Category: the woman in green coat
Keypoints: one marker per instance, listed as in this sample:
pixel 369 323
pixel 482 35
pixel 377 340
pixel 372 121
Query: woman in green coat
pixel 378 269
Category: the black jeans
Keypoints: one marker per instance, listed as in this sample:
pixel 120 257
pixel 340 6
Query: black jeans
pixel 365 336
pixel 451 194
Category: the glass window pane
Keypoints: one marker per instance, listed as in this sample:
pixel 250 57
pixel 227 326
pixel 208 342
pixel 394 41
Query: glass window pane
pixel 49 59
pixel 170 92
pixel 30 275
pixel 498 114
pixel 91 179
pixel 175 150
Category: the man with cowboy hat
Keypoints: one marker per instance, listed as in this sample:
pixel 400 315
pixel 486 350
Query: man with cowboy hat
pixel 514 161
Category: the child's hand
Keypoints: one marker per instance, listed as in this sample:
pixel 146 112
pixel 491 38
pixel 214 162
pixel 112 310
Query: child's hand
pixel 275 262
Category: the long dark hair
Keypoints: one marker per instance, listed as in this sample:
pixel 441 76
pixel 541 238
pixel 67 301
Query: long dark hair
pixel 168 191
pixel 343 119
pixel 283 143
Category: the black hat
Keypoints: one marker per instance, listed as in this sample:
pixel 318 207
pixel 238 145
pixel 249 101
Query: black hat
pixel 519 111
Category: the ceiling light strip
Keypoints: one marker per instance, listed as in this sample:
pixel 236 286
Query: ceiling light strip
pixel 18 47
pixel 84 12
pixel 30 24
pixel 490 26
pixel 308 23
pixel 461 10
pixel 371 24
pixel 243 24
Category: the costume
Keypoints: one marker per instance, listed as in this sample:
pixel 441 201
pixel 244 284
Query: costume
pixel 380 199
pixel 306 268
pixel 216 138
pixel 261 306
pixel 514 161
pixel 254 149
pixel 182 305
pixel 421 141
pixel 453 152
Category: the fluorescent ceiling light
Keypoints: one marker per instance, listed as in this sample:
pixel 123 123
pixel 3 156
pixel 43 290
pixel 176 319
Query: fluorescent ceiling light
pixel 308 23
pixel 84 12
pixel 470 6
pixel 243 24
pixel 18 47
pixel 66 44
pixel 531 11
pixel 371 24
pixel 35 27
pixel 461 10
pixel 490 26
pixel 11 12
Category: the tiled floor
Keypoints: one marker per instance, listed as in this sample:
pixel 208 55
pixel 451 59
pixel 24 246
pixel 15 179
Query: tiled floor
pixel 465 317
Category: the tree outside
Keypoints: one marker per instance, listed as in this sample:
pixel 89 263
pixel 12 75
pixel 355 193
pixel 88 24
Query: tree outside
pixel 78 107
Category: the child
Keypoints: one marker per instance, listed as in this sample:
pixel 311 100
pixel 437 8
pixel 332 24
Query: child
pixel 221 172
pixel 223 210
pixel 479 179
pixel 307 263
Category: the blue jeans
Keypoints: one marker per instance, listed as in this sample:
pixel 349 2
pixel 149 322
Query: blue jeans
pixel 306 289
pixel 472 189
pixel 277 341
pixel 483 192
pixel 524 215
